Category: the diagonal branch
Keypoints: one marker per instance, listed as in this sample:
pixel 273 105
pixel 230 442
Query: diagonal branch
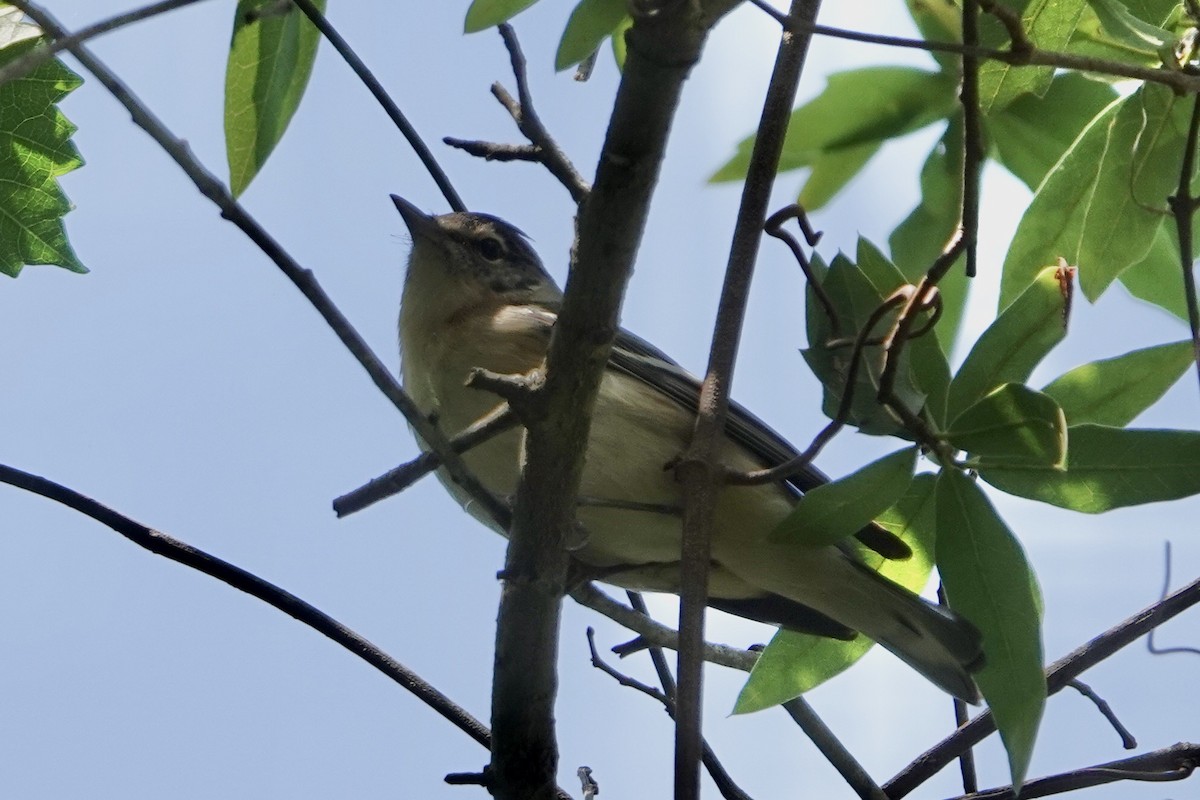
pixel 303 279
pixel 1058 675
pixel 384 99
pixel 183 553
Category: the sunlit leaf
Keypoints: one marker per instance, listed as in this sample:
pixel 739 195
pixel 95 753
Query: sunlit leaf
pixel 1115 390
pixel 1158 277
pixel 793 663
pixel 835 510
pixel 1109 468
pixel 35 150
pixel 1103 202
pixel 1013 423
pixel 888 102
pixel 989 581
pixel 590 24
pixel 484 14
pixel 270 61
pixel 1032 133
pixel 1048 25
pixel 1016 341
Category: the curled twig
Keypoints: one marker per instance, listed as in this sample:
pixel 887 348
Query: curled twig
pixel 774 227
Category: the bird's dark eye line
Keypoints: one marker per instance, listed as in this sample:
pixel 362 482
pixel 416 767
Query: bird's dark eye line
pixel 490 248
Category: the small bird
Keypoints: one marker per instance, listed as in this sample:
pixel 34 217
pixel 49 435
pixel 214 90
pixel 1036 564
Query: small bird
pixel 476 296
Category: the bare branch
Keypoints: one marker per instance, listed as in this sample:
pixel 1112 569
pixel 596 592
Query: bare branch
pixel 655 634
pixel 662 48
pixel 183 553
pixel 385 101
pixel 716 770
pixel 397 480
pixel 833 750
pixel 1169 764
pixel 1182 82
pixel 21 67
pixel 1058 675
pixel 543 148
pixel 697 472
pixel 303 279
pixel 1127 739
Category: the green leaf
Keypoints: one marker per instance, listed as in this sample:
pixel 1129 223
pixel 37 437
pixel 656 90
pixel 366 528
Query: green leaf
pixel 590 24
pixel 1114 391
pixel 35 150
pixel 618 42
pixel 989 581
pixel 919 239
pixel 832 171
pixel 938 22
pixel 1127 31
pixel 1103 202
pixel 270 61
pixel 484 14
pixel 1048 24
pixel 1158 278
pixel 1016 341
pixel 1032 133
pixel 888 102
pixel 855 298
pixel 829 513
pixel 1110 468
pixel 793 663
pixel 1013 423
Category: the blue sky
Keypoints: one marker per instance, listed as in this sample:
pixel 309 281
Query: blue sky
pixel 187 384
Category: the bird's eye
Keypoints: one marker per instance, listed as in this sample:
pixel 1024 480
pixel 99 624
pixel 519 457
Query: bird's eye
pixel 490 248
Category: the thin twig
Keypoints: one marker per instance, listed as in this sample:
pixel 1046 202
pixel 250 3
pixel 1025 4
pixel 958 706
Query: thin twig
pixel 622 678
pixel 183 553
pixel 1182 82
pixel 655 634
pixel 495 151
pixel 20 67
pixel 400 478
pixel 973 152
pixel 530 124
pixel 1127 739
pixel 1150 644
pixel 1058 675
pixel 1183 207
pixel 1173 763
pixel 381 96
pixel 966 761
pixel 716 770
pixel 834 751
pixel 698 472
pixel 303 279
pixel 774 227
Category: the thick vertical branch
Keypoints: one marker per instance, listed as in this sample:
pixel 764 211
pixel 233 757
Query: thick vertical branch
pixel 697 472
pixel 663 46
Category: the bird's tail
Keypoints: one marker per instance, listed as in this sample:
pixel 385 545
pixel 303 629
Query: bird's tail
pixel 931 639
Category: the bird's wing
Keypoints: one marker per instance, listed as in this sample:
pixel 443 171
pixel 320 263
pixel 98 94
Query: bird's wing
pixel 640 359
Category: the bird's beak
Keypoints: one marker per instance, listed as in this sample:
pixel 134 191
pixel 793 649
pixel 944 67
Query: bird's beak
pixel 420 224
